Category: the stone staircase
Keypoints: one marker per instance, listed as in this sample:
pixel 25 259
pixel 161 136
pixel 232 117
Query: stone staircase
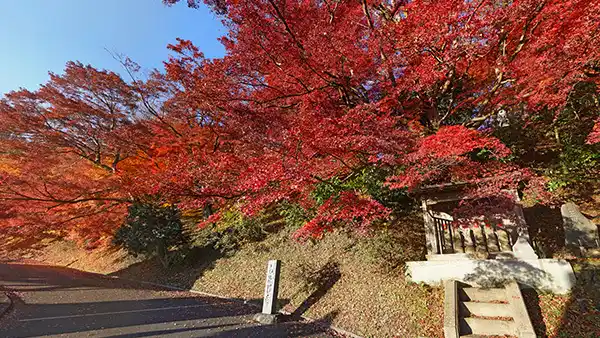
pixel 477 312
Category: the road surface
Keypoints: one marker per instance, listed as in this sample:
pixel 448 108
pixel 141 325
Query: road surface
pixel 60 302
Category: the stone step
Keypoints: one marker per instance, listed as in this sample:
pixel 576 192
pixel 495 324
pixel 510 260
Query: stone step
pixel 482 295
pixel 484 309
pixel 480 326
pixel 523 325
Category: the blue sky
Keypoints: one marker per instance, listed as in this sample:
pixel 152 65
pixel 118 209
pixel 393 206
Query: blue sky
pixel 37 36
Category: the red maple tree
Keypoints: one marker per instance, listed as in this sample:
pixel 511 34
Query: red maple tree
pixel 309 93
pixel 63 146
pixel 319 89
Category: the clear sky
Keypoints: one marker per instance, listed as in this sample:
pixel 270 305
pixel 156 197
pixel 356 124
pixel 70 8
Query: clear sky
pixel 37 36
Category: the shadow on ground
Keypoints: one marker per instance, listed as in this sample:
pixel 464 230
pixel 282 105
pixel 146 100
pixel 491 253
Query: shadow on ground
pixel 184 275
pixel 51 300
pixel 532 300
pixel 321 281
pixel 13 248
pixel 573 315
pixel 581 315
pixel 546 229
pixel 491 273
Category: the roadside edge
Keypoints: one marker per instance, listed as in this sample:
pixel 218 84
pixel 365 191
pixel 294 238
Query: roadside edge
pixel 246 302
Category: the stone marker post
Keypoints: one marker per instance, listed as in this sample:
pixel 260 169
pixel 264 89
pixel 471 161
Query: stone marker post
pixel 271 287
pixel 269 308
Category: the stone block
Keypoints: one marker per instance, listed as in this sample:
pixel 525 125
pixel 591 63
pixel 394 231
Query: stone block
pixel 484 309
pixel 523 250
pixel 267 319
pixel 548 275
pixel 523 326
pixel 451 329
pixel 579 231
pixel 271 287
pixel 487 327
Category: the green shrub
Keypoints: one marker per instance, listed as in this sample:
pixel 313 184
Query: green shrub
pixel 370 180
pixel 153 230
pixel 233 230
pixel 293 215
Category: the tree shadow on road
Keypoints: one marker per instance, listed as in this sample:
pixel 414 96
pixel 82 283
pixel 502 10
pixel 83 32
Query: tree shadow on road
pixel 37 277
pixel 38 319
pixel 318 328
pixel 68 301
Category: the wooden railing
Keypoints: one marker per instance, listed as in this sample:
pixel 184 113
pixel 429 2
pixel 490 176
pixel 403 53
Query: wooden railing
pixel 453 238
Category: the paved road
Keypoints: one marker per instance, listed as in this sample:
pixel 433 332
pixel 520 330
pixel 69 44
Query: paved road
pixel 59 302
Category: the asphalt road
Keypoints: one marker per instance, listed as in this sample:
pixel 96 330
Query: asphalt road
pixel 59 302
